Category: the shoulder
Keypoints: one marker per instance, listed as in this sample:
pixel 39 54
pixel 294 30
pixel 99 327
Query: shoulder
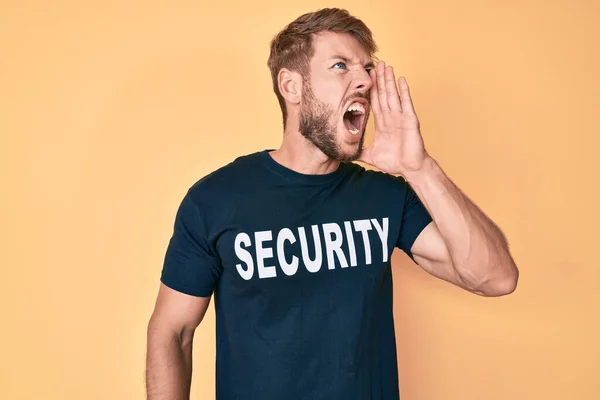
pixel 375 179
pixel 226 179
pixel 206 200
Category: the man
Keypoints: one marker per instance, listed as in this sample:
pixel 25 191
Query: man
pixel 296 243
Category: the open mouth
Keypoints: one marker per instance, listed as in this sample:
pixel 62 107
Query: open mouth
pixel 354 118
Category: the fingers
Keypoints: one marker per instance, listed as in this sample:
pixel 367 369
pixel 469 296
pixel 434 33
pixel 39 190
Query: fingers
pixel 374 94
pixel 391 90
pixel 405 98
pixel 384 90
pixel 381 91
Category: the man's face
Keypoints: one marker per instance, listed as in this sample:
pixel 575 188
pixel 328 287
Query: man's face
pixel 335 101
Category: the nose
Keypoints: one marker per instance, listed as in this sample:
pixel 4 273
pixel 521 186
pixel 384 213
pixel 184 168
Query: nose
pixel 362 81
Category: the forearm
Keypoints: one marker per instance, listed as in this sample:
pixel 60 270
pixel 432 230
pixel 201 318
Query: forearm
pixel 477 248
pixel 169 366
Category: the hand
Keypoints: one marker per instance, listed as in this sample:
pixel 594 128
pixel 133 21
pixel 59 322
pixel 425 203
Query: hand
pixel 398 146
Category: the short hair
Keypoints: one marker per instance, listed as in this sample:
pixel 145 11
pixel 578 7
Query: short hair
pixel 292 47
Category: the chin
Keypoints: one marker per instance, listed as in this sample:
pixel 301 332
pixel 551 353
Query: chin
pixel 349 152
pixel 350 147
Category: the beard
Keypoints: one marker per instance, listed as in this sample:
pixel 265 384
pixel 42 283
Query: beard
pixel 318 126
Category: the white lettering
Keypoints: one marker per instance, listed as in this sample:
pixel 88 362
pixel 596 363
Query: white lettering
pixel 263 253
pixel 350 237
pixel 334 245
pixel 288 269
pixel 383 235
pixel 311 265
pixel 244 255
pixel 363 226
pixel 340 245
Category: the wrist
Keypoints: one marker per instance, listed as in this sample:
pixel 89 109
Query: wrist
pixel 426 171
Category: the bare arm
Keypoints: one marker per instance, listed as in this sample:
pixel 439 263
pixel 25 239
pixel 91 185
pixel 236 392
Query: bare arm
pixel 462 245
pixel 169 344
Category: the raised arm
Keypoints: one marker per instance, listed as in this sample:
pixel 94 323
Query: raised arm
pixel 462 245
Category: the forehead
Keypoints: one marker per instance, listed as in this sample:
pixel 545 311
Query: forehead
pixel 330 44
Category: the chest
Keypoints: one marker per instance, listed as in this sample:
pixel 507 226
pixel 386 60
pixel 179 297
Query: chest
pixel 281 244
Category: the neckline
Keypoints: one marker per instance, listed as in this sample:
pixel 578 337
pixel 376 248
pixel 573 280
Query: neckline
pixel 298 177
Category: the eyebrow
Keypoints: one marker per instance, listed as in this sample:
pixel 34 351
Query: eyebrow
pixel 369 64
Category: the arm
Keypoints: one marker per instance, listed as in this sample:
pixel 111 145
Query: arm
pixel 169 344
pixel 462 245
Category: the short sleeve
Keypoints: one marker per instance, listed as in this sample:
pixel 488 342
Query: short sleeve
pixel 191 265
pixel 415 218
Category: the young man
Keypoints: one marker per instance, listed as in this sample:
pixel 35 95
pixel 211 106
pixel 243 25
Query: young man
pixel 296 243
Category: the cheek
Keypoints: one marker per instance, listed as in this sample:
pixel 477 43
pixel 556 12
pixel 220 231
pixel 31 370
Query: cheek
pixel 329 92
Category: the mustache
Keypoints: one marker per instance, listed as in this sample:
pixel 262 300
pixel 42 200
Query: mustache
pixel 364 96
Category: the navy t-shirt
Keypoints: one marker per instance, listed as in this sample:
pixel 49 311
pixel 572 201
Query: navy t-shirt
pixel 299 266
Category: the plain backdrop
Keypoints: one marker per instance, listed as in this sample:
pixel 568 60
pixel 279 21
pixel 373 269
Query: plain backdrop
pixel 110 110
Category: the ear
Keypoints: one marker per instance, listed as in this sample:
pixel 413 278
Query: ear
pixel 290 85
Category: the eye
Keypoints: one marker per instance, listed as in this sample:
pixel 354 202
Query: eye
pixel 343 65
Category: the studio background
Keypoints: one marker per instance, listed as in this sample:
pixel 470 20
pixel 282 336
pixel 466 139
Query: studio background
pixel 110 110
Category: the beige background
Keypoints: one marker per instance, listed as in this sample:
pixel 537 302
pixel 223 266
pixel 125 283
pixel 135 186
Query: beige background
pixel 109 111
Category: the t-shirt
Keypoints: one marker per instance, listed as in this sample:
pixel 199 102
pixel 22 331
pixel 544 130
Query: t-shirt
pixel 299 266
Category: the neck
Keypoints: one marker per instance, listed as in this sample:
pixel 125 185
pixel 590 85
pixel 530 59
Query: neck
pixel 300 155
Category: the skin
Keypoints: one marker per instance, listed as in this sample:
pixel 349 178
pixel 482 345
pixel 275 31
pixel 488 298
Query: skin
pixel 461 246
pixel 335 82
pixel 321 116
